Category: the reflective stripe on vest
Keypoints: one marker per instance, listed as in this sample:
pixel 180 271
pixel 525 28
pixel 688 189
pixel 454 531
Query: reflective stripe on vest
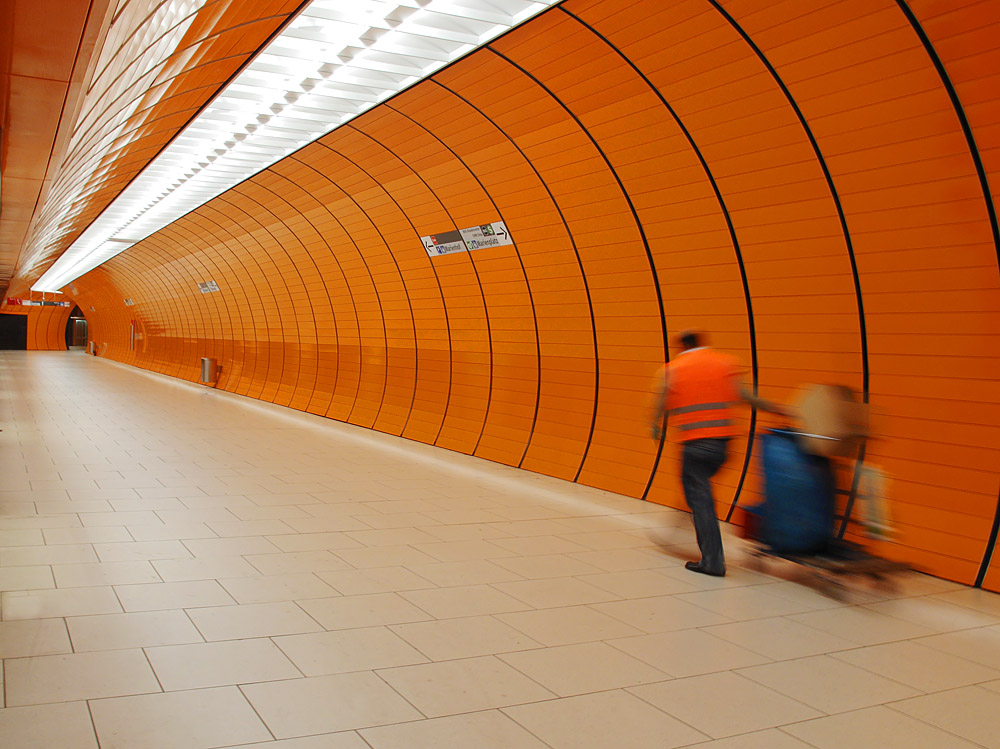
pixel 699 407
pixel 705 424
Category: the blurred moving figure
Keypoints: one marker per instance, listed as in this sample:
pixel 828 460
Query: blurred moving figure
pixel 700 390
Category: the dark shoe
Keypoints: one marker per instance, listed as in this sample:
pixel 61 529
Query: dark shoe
pixel 698 567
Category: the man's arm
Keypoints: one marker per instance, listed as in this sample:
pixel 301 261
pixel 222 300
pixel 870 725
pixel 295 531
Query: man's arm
pixel 660 387
pixel 759 403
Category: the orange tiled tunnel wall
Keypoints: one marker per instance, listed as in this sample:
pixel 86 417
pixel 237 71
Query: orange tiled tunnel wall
pixel 810 181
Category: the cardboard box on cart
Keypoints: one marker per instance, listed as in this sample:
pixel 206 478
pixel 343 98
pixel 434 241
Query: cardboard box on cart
pixel 832 419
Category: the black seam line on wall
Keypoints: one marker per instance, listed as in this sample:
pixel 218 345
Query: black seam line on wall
pixel 250 58
pixel 638 225
pixel 319 274
pixel 214 228
pixel 215 317
pixel 364 262
pixel 181 314
pixel 189 230
pixel 265 253
pixel 862 326
pixel 437 280
pixel 576 253
pixel 388 250
pixel 486 307
pixel 739 260
pixel 260 224
pixel 472 263
pixel 984 183
pixel 520 262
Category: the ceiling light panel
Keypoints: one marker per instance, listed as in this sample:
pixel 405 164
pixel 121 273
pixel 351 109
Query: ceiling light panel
pixel 332 62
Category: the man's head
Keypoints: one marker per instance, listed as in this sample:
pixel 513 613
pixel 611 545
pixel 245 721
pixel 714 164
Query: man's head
pixel 690 339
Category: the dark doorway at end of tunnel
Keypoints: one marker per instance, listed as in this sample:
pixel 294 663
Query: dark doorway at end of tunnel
pixel 76 330
pixel 13 332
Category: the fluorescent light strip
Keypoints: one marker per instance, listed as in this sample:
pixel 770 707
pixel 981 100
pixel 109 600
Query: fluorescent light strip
pixel 334 61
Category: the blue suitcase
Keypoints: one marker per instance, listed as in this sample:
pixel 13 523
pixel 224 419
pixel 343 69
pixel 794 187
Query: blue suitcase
pixel 798 512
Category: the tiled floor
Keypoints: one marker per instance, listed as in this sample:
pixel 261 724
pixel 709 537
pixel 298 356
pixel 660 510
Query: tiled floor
pixel 185 569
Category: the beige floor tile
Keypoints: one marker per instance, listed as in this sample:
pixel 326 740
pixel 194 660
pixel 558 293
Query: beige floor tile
pixel 342 740
pixel 22 556
pixel 141 550
pixel 26 519
pixel 19 639
pixel 771 738
pixel 556 592
pixel 384 521
pixel 638 583
pixel 323 704
pixel 372 610
pixel 272 588
pixel 43 604
pixel 26 578
pixel 196 719
pixel 196 517
pixel 243 528
pixel 920 667
pixel 207 548
pixel 183 570
pixel 252 620
pixel 461 686
pixel 449 639
pixel 605 719
pixel 567 626
pixel 474 572
pixel 314 542
pixel 326 524
pixel 464 600
pixel 384 556
pixel 216 664
pixel 688 652
pixel 934 614
pixel 92 535
pixel 345 650
pixel 780 638
pixel 26 537
pixel 100 519
pixel 861 625
pixel 828 684
pixel 391 537
pixel 973 598
pixel 620 560
pixel 546 565
pixel 138 630
pixel 171 532
pixel 875 727
pixel 77 676
pixel 489 729
pixel 64 725
pixel 108 573
pixel 724 704
pixel 660 613
pixel 159 596
pixel 587 667
pixel 751 602
pixel 979 645
pixel 374 580
pixel 538 545
pixel 460 551
pixel 968 712
pixel 296 562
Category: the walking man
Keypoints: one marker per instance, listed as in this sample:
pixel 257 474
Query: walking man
pixel 700 390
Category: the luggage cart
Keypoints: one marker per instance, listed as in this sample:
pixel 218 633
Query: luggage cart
pixel 797 520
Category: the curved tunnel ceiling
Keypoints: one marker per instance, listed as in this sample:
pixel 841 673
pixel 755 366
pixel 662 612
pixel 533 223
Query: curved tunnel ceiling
pixel 811 183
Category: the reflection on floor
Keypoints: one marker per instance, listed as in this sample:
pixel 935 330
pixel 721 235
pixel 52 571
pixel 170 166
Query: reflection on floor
pixel 185 568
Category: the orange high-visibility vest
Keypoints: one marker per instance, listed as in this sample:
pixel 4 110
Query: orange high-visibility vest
pixel 702 390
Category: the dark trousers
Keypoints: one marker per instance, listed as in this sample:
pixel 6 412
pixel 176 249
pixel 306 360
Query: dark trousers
pixel 701 460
